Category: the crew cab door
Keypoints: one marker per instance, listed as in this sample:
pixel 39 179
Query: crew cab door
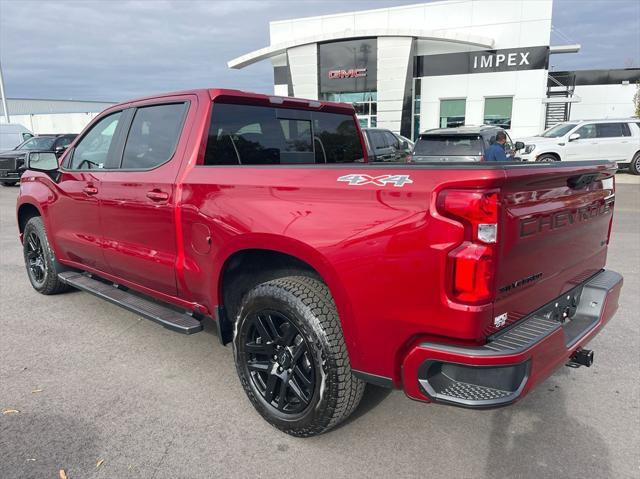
pixel 74 214
pixel 614 140
pixel 137 196
pixel 584 148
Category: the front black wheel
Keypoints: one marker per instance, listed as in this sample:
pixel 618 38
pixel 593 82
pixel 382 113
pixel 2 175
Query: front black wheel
pixel 39 259
pixel 291 357
pixel 547 159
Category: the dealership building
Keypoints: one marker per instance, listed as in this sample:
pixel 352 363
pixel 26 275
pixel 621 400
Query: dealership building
pixel 442 64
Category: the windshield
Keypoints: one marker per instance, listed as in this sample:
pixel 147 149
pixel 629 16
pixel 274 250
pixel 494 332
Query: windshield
pixel 560 129
pixel 37 143
pixel 449 145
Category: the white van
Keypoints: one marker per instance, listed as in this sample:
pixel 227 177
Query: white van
pixel 11 135
pixel 616 140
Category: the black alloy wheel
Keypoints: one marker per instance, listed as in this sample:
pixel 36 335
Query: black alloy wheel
pixel 36 262
pixel 291 356
pixel 278 362
pixel 39 260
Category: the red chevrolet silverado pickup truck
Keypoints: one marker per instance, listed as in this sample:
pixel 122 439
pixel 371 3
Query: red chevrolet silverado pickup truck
pixel 465 284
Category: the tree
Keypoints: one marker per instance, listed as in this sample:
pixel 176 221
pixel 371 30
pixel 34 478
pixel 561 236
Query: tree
pixel 636 99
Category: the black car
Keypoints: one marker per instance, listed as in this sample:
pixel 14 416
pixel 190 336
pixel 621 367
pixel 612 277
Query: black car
pixel 12 161
pixel 465 143
pixel 384 145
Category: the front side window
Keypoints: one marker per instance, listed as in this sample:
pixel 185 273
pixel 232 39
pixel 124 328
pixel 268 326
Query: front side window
pixel 452 113
pixel 392 139
pixel 497 111
pixel 93 149
pixel 587 131
pixel 153 136
pixel 37 143
pixel 258 135
pixel 609 130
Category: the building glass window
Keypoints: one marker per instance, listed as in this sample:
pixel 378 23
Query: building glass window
pixel 497 111
pixel 417 95
pixel 452 113
pixel 365 104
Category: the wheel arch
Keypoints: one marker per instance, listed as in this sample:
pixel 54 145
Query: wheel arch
pixel 26 211
pixel 555 154
pixel 246 267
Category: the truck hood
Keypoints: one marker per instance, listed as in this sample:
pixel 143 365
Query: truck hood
pixel 540 140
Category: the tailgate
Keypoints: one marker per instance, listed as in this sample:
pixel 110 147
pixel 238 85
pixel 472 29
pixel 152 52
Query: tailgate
pixel 555 227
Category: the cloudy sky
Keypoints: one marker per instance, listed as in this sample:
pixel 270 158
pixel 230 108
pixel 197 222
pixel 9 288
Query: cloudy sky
pixel 119 49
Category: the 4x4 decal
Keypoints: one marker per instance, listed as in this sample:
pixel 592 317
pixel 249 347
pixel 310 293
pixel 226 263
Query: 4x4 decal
pixel 383 180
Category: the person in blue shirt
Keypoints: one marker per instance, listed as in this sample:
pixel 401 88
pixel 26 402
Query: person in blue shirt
pixel 496 151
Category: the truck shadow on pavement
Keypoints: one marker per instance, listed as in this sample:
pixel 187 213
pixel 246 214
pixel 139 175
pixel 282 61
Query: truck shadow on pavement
pixel 539 437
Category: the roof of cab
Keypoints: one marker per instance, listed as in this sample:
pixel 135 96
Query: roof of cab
pixel 462 130
pixel 251 98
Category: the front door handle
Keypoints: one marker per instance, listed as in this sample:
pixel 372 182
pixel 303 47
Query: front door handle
pixel 156 195
pixel 90 190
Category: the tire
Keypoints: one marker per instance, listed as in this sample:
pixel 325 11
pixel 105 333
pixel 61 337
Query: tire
pixel 634 166
pixel 291 356
pixel 546 159
pixel 40 260
pixel 8 183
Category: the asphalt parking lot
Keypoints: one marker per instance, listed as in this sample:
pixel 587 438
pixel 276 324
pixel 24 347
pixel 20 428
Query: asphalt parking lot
pixel 90 382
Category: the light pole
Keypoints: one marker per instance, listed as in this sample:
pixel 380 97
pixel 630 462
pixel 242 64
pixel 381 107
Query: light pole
pixel 4 97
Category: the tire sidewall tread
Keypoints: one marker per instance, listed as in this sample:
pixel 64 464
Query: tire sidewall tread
pixel 308 302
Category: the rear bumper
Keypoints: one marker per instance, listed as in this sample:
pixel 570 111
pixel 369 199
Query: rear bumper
pixel 516 359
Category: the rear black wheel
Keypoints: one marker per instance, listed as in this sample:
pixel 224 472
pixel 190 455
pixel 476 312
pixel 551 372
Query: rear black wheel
pixel 39 259
pixel 291 357
pixel 634 166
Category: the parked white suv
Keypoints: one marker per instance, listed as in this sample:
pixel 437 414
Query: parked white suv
pixel 617 140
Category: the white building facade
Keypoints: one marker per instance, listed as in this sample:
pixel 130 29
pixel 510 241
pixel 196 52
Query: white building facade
pixel 43 116
pixel 416 67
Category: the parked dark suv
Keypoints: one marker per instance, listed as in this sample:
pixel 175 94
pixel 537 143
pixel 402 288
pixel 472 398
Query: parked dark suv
pixel 466 143
pixel 385 145
pixel 12 161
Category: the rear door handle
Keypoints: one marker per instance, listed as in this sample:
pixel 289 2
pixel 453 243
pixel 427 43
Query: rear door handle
pixel 156 195
pixel 90 190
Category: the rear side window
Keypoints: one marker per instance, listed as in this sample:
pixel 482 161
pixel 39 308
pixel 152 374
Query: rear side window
pixel 611 130
pixel 449 145
pixel 258 135
pixel 153 136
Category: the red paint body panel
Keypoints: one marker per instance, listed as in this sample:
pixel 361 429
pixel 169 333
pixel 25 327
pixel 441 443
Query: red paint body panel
pixel 382 250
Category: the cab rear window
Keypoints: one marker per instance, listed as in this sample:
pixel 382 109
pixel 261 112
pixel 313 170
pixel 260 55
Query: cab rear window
pixel 449 145
pixel 260 135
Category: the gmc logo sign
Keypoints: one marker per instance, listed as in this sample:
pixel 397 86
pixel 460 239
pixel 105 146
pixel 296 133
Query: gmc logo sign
pixel 351 73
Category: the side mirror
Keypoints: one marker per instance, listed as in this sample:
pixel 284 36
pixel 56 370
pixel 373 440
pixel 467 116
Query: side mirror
pixel 574 136
pixel 44 161
pixel 519 145
pixel 404 145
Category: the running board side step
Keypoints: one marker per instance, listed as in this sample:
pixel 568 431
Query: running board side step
pixel 167 317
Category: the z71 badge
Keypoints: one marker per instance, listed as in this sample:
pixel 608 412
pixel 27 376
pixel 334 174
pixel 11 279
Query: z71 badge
pixel 383 180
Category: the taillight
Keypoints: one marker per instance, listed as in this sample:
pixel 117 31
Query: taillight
pixel 471 265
